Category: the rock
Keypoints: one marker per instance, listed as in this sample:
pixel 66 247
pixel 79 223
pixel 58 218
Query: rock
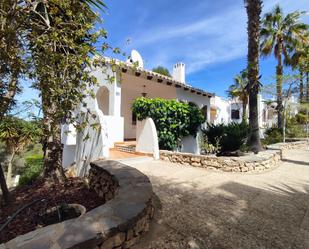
pixel 196 164
pixel 196 159
pixel 114 241
pixel 192 244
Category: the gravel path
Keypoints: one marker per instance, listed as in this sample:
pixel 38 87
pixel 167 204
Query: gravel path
pixel 206 209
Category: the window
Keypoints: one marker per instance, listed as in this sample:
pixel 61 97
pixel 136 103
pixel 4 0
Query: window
pixel 235 114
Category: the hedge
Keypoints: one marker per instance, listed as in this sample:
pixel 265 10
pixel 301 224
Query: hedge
pixel 174 120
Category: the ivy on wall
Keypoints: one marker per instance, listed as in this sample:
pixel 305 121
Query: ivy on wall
pixel 174 120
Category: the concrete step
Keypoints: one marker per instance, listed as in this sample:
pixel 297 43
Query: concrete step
pixel 129 148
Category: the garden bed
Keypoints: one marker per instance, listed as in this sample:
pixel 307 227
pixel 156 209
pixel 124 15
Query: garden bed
pixel 75 190
pixel 119 223
pixel 264 160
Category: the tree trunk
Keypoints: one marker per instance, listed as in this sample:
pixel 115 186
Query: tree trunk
pixel 301 86
pixel 4 187
pixel 244 110
pixel 52 168
pixel 53 154
pixel 8 97
pixel 10 168
pixel 254 8
pixel 279 79
pixel 307 87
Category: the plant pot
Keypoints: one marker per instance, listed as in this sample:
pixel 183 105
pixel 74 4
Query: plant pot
pixel 60 213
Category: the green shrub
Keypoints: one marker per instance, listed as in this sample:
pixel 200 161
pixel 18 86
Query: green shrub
pixel 273 135
pixel 33 169
pixel 235 136
pixel 227 138
pixel 174 120
pixel 295 128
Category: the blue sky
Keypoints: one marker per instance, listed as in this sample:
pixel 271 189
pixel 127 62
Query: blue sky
pixel 208 36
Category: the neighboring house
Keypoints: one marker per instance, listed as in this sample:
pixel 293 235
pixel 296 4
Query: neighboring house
pixel 113 104
pixel 227 111
pixel 270 113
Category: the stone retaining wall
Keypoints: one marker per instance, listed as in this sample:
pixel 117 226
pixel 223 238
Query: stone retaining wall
pixel 103 183
pixel 289 145
pixel 119 223
pixel 249 163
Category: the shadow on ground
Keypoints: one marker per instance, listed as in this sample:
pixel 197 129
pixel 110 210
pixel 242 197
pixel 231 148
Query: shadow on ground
pixel 231 215
pixel 296 162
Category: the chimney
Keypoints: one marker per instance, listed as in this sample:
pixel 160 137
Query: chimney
pixel 179 72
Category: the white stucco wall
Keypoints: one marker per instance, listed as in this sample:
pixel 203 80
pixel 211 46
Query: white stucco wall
pixel 147 138
pixel 223 110
pixel 68 155
pixel 190 144
pixel 114 126
pixel 68 134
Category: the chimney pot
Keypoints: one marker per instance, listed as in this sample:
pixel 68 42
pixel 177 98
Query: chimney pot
pixel 179 72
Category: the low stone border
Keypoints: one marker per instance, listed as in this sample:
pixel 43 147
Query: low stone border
pixel 249 163
pixel 288 145
pixel 119 223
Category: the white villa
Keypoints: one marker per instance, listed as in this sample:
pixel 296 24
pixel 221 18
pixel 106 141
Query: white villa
pixel 113 104
pixel 112 109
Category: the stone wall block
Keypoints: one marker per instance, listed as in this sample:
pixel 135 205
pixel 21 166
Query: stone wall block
pixel 114 241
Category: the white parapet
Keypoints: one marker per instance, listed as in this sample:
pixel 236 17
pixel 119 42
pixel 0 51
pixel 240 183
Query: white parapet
pixel 147 138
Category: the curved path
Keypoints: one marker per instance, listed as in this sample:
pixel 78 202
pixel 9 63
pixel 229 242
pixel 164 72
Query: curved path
pixel 207 209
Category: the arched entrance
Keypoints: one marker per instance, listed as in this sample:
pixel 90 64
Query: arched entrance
pixel 102 97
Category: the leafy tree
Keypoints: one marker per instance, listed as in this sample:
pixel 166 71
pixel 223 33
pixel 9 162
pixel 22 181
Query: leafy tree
pixel 13 55
pixel 240 90
pixel 16 134
pixel 61 44
pixel 12 62
pixel 162 70
pixel 42 19
pixel 280 34
pixel 254 8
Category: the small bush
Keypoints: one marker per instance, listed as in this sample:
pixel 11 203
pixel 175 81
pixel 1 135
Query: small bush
pixel 208 148
pixel 227 138
pixel 33 169
pixel 273 135
pixel 235 136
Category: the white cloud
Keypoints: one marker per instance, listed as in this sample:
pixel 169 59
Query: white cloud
pixel 210 40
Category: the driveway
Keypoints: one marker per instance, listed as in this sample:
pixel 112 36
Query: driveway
pixel 197 208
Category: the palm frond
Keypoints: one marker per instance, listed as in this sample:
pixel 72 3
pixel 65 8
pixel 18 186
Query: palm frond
pixel 97 3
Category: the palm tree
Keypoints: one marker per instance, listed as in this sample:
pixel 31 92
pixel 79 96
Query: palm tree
pixel 279 35
pixel 240 90
pixel 300 61
pixel 254 9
